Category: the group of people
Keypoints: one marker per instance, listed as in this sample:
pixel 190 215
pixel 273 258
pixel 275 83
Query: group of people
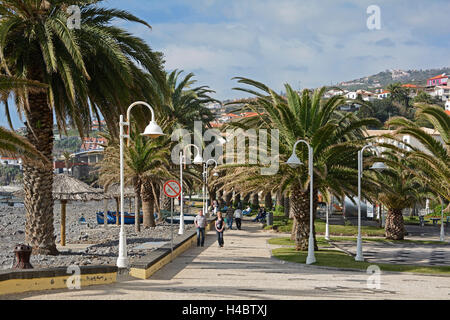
pixel 220 224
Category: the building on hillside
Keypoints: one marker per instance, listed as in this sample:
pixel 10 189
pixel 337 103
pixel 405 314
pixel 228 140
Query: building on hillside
pixel 440 80
pixel 447 107
pixel 83 163
pixel 97 126
pixel 379 137
pixel 413 89
pixel 366 95
pixel 93 144
pixel 383 94
pixel 441 92
pixel 351 95
pixel 11 161
pixel 334 92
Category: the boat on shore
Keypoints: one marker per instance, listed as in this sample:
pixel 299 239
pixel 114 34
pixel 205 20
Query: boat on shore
pixel 112 217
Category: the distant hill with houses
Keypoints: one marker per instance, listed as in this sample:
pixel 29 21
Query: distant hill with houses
pixel 385 78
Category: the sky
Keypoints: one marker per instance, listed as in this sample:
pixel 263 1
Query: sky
pixel 306 43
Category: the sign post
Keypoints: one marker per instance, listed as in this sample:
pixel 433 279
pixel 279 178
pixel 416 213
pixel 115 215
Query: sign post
pixel 172 189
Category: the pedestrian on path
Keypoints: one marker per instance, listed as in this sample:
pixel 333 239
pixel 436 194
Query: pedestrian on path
pixel 238 218
pixel 200 224
pixel 220 227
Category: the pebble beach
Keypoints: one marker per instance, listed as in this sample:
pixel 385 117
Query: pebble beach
pixel 86 244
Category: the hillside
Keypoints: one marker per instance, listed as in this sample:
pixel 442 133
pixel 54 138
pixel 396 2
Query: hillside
pixel 383 79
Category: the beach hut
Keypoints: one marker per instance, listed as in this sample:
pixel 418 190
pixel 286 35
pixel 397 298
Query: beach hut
pixel 67 188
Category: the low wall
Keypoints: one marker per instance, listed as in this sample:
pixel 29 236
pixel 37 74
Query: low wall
pixel 19 281
pixel 158 258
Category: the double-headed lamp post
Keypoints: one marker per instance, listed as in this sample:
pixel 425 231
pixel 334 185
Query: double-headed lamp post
pixel 197 160
pixel 153 130
pixel 205 185
pixel 295 162
pixel 377 166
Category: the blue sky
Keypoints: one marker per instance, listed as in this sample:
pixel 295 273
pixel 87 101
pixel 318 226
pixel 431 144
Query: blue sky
pixel 306 43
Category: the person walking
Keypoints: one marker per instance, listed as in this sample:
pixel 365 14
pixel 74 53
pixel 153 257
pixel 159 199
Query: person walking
pixel 238 218
pixel 220 227
pixel 200 224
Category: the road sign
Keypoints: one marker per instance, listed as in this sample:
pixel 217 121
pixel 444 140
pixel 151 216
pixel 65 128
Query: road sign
pixel 172 188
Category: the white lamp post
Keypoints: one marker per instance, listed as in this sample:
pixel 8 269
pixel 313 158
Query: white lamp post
pixel 294 162
pixel 205 190
pixel 153 131
pixel 378 166
pixel 197 160
pixel 327 227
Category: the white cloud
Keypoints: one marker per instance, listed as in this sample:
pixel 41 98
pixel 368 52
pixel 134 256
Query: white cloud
pixel 315 42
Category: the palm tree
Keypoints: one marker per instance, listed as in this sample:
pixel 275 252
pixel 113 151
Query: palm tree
pixel 334 137
pixel 146 162
pixel 399 188
pixel 90 70
pixel 187 103
pixel 432 164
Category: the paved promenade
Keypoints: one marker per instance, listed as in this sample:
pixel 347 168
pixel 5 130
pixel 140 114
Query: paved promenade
pixel 244 269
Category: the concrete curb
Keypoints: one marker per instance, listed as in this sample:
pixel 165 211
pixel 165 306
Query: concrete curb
pixel 20 281
pixel 158 258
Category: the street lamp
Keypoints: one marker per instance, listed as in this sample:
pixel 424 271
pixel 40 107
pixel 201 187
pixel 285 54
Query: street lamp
pixel 205 186
pixel 295 162
pixel 197 160
pixel 377 166
pixel 152 131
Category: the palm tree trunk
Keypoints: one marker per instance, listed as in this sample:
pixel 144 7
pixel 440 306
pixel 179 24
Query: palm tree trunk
pixel 255 200
pixel 268 203
pixel 38 180
pixel 395 227
pixel 165 203
pixel 300 209
pixel 228 198
pixel 137 207
pixel 247 199
pixel 63 222
pixel 148 205
pixel 286 205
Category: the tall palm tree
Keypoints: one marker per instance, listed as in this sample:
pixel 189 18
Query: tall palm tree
pixel 188 103
pixel 91 70
pixel 399 188
pixel 144 160
pixel 334 136
pixel 433 163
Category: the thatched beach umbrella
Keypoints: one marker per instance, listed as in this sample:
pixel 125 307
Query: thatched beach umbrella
pixel 67 188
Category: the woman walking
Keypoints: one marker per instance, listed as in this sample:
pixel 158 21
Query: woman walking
pixel 220 227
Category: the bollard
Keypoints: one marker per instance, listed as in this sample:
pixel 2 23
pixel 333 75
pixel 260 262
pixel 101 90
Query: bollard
pixel 270 219
pixel 23 253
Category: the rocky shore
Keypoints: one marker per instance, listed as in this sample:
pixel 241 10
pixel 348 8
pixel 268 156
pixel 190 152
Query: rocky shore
pixel 86 244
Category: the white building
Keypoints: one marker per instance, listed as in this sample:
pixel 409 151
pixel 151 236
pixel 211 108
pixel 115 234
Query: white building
pixel 442 92
pixel 10 161
pixel 383 94
pixel 447 105
pixel 351 95
pixel 407 139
